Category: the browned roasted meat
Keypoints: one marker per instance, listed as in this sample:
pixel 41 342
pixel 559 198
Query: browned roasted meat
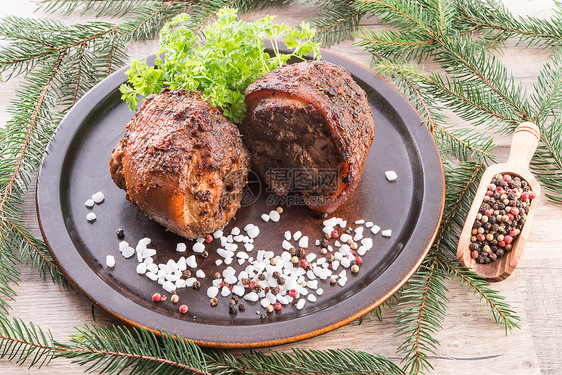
pixel 309 129
pixel 182 163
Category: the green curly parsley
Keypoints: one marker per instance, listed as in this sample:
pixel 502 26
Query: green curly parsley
pixel 232 56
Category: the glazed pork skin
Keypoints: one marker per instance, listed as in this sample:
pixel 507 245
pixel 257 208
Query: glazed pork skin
pixel 182 163
pixel 309 118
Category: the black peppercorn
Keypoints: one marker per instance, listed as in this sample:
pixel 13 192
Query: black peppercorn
pixel 301 252
pixel 196 284
pixel 262 316
pixel 232 309
pixel 120 232
pixel 235 297
pixel 232 302
pixel 324 243
pixel 205 254
pixel 261 277
pixel 292 251
pixel 276 274
pixel 242 307
pixel 281 281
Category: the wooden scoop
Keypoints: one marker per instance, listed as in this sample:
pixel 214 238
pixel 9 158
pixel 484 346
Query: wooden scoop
pixel 523 145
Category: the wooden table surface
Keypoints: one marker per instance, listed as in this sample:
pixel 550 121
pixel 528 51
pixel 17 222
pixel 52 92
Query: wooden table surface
pixel 471 343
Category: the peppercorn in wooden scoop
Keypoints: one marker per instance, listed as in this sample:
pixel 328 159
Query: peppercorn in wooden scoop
pixel 495 231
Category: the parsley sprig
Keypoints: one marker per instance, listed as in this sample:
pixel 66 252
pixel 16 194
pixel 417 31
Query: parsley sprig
pixel 231 57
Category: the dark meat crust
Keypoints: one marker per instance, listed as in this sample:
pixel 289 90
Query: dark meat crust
pixel 342 104
pixel 182 163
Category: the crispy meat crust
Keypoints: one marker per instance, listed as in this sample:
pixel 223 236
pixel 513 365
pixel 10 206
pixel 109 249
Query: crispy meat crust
pixel 182 163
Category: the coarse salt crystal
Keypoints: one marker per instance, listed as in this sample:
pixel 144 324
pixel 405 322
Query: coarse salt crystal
pixel 110 261
pixel 242 255
pixel 191 262
pixel 386 233
pixel 172 277
pixel 228 261
pixel 128 252
pixel 241 261
pixel 252 297
pixel 342 281
pixel 218 262
pixel 317 242
pixel 249 246
pixel 367 242
pixel 235 231
pixel 144 241
pixel 253 231
pixel 327 229
pixel 361 250
pixel 301 303
pixel 89 203
pixel 180 283
pixel 297 235
pixel 312 298
pixel 375 229
pixel 182 265
pixel 169 286
pixel 189 282
pixel 335 265
pixel 200 274
pixel 198 247
pixel 238 290
pixel 123 245
pixel 310 257
pixel 330 222
pixel 390 175
pixel 369 224
pixel 360 221
pixel 265 217
pixel 265 302
pixel 218 234
pixel 239 238
pixel 312 284
pixel 181 247
pixel 319 291
pixel 345 237
pixel 310 274
pixel 345 262
pixel 274 215
pixel 149 253
pixel 286 245
pixel 152 276
pixel 98 197
pixel 303 242
pixel 152 267
pixel 288 235
pixel 225 291
pixel 231 247
pixel 91 217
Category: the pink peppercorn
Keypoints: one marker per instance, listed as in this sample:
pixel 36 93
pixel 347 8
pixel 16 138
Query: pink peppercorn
pixel 335 234
pixel 501 243
pixel 209 238
pixel 510 216
pixel 252 285
pixel 524 196
pixel 474 254
pixel 508 239
pixel 489 212
pixel 303 263
pixel 277 306
pixel 183 309
pixel 480 237
pixel 532 195
pixel 515 211
pixel 293 293
pixel 358 260
pixel 506 177
pixel 513 232
pixel 489 193
pixel 156 297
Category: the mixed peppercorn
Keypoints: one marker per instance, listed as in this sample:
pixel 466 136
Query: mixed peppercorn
pixel 501 217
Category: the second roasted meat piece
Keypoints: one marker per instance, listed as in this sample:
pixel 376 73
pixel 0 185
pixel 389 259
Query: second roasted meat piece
pixel 182 163
pixel 309 128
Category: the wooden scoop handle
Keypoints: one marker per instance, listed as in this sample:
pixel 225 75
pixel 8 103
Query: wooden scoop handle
pixel 523 144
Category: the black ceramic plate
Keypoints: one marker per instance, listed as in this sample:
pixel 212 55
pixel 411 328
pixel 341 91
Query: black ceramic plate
pixel 76 166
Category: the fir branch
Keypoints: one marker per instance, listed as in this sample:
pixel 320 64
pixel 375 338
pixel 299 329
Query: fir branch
pixel 98 8
pixel 491 16
pixel 500 310
pixel 336 21
pixel 423 305
pixel 113 349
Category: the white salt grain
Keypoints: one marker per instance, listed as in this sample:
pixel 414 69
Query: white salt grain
pixel 386 233
pixel 89 203
pixel 252 297
pixel 345 262
pixel 110 261
pixel 301 303
pixel 312 298
pixel 297 235
pixel 288 235
pixel 149 253
pixel 128 252
pixel 98 197
pixel 152 268
pixel 191 262
pixel 265 217
pixel 369 224
pixel 169 286
pixel 342 281
pixel 361 222
pixel 238 290
pixel 225 291
pixel 303 242
pixel 335 265
pixel 189 282
pixel 286 245
pixel 249 246
pixel 235 231
pixel 152 276
pixel 319 291
pixel 390 175
pixel 198 247
pixel 91 217
pixel 265 302
pixel 217 234
pixel 367 242
pixel 123 245
pixel 274 215
pixel 200 274
pixel 218 262
pixel 181 247
pixel 375 229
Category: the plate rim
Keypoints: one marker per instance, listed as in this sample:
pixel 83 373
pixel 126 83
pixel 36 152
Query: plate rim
pixel 106 87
